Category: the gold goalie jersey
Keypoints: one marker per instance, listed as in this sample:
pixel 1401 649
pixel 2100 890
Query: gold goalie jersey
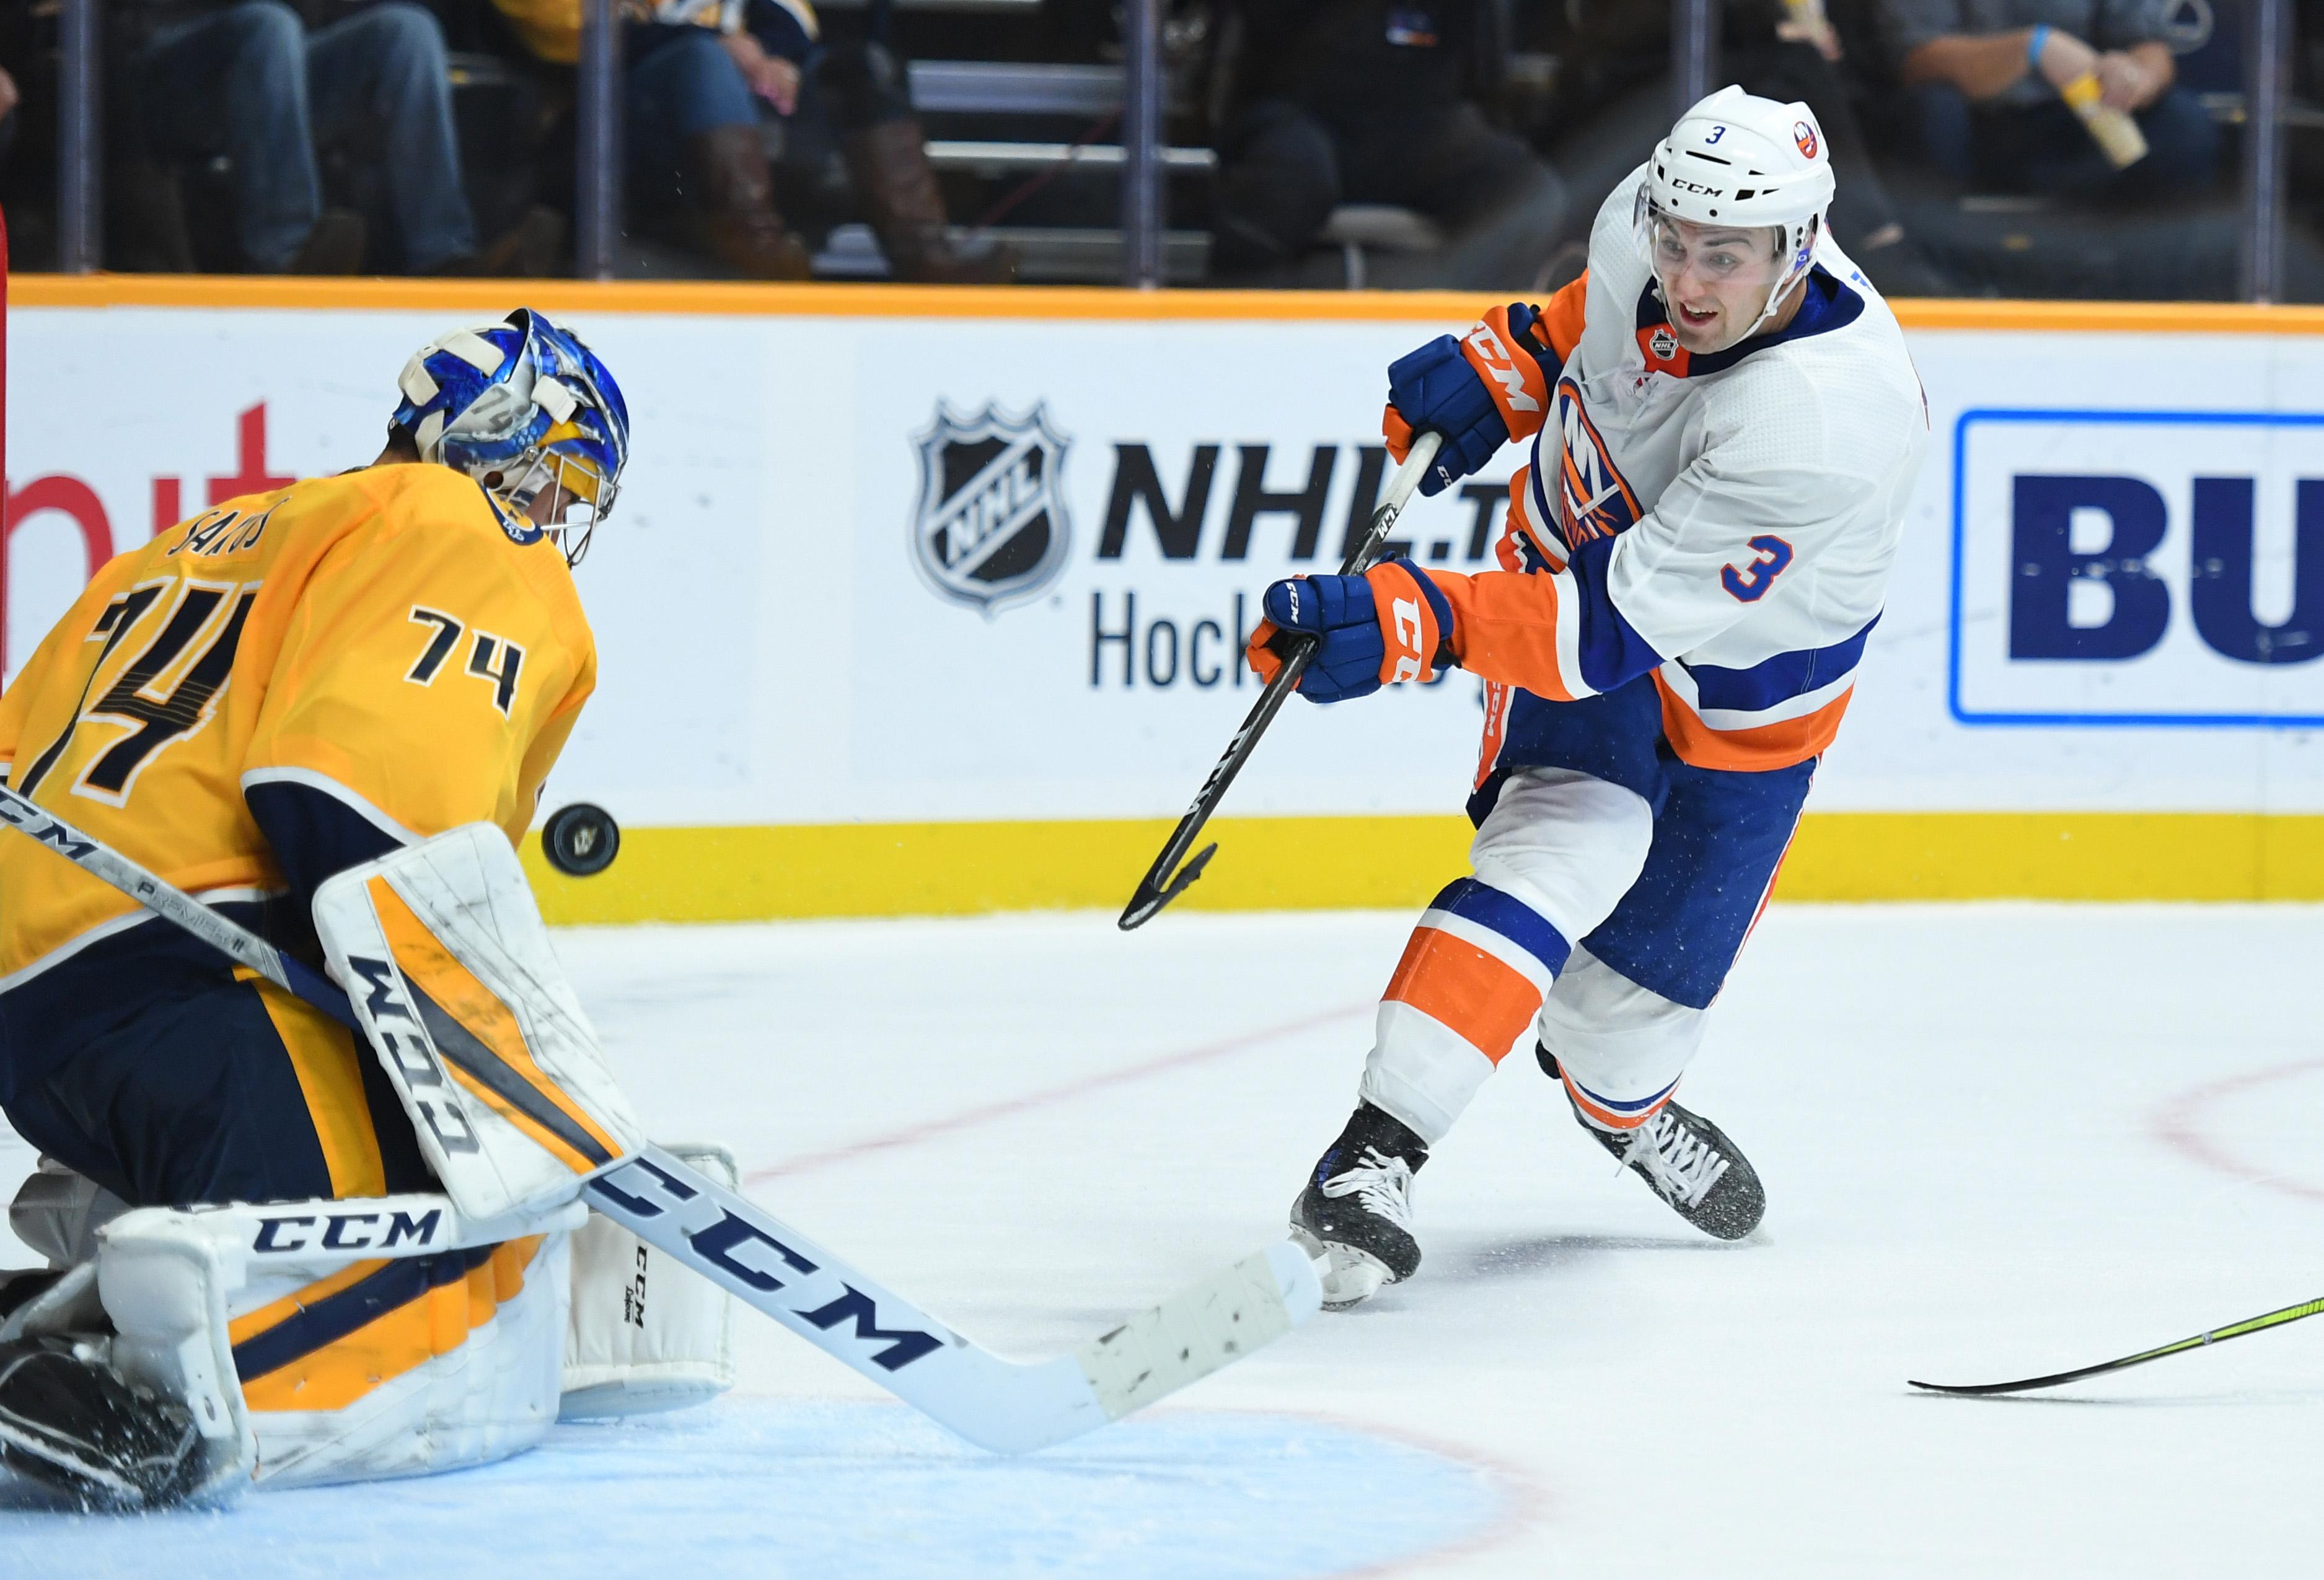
pixel 376 636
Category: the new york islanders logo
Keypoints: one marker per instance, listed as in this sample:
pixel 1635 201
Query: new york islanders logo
pixel 1804 135
pixel 988 528
pixel 1594 499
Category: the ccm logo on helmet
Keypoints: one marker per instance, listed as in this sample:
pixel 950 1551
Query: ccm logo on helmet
pixel 1683 185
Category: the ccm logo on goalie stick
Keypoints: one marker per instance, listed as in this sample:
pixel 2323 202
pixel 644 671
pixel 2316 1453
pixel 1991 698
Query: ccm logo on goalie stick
pixel 414 1058
pixel 346 1231
pixel 48 831
pixel 725 1243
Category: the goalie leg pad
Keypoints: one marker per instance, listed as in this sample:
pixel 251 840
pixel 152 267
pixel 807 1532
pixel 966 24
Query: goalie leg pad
pixel 646 1334
pixel 345 1341
pixel 448 963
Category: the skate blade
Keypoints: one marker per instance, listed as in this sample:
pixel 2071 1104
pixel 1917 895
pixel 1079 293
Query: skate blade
pixel 1350 1277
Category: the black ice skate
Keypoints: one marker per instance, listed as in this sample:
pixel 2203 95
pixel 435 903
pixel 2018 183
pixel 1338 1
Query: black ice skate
pixel 1688 1161
pixel 1356 1211
pixel 66 1420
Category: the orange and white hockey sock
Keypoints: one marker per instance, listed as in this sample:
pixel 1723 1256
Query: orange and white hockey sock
pixel 1471 979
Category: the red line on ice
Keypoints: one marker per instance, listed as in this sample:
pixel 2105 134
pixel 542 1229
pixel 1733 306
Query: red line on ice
pixel 1009 1107
pixel 1526 1505
pixel 2180 1126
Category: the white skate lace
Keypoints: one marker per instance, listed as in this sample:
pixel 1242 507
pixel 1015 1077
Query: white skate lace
pixel 1382 1184
pixel 1680 1164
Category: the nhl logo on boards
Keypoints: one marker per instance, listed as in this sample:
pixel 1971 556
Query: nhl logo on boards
pixel 1663 344
pixel 989 526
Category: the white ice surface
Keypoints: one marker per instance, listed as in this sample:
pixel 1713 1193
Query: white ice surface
pixel 1996 1140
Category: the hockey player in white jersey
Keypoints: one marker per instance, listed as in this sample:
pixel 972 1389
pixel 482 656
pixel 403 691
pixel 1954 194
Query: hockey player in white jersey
pixel 1724 427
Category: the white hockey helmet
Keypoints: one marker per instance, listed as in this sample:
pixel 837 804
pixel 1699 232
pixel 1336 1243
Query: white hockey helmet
pixel 1736 159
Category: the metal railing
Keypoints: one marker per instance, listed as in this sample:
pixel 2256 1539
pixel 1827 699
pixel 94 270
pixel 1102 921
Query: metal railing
pixel 1141 144
pixel 597 162
pixel 1145 164
pixel 2266 62
pixel 1695 50
pixel 80 153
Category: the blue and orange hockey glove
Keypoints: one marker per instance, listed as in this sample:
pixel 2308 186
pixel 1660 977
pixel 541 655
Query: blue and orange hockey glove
pixel 1480 392
pixel 1388 624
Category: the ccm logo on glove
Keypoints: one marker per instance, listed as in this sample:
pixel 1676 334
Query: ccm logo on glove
pixel 1479 392
pixel 1408 636
pixel 1491 355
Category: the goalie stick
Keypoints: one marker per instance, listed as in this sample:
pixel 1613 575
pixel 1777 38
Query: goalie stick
pixel 1158 887
pixel 2216 1336
pixel 1007 1406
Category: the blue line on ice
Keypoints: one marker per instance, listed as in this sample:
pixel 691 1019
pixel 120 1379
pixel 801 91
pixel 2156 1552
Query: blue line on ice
pixel 772 1489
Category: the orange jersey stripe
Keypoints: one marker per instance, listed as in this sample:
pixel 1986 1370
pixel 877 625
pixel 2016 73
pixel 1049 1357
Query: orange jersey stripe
pixel 1505 627
pixel 1559 326
pixel 1756 751
pixel 1483 1000
pixel 1496 699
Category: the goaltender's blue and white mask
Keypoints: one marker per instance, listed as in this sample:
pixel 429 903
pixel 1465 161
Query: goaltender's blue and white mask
pixel 522 406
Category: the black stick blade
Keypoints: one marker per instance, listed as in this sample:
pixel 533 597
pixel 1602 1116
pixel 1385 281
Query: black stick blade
pixel 1147 902
pixel 2260 1324
pixel 2019 1387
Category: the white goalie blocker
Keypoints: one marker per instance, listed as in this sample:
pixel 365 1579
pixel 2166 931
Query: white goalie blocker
pixel 353 1340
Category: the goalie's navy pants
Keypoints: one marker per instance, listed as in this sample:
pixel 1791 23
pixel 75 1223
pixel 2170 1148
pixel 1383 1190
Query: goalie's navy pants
pixel 145 1065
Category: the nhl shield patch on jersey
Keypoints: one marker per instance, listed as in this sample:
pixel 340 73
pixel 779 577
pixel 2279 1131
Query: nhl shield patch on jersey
pixel 990 529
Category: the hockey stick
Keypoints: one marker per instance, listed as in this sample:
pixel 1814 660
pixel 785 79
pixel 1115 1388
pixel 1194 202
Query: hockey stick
pixel 1006 1406
pixel 2217 1335
pixel 1158 887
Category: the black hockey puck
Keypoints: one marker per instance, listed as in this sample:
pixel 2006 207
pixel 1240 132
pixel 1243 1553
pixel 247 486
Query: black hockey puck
pixel 581 841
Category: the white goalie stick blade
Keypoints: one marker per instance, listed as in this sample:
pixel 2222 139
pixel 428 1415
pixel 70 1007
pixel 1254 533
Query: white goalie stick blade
pixel 1006 1406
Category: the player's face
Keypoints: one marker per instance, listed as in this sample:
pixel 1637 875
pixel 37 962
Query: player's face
pixel 549 506
pixel 1715 278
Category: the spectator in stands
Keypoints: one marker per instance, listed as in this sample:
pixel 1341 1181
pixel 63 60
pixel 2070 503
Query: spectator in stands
pixel 250 80
pixel 1371 101
pixel 1787 49
pixel 1994 80
pixel 854 97
pixel 697 72
pixel 26 178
